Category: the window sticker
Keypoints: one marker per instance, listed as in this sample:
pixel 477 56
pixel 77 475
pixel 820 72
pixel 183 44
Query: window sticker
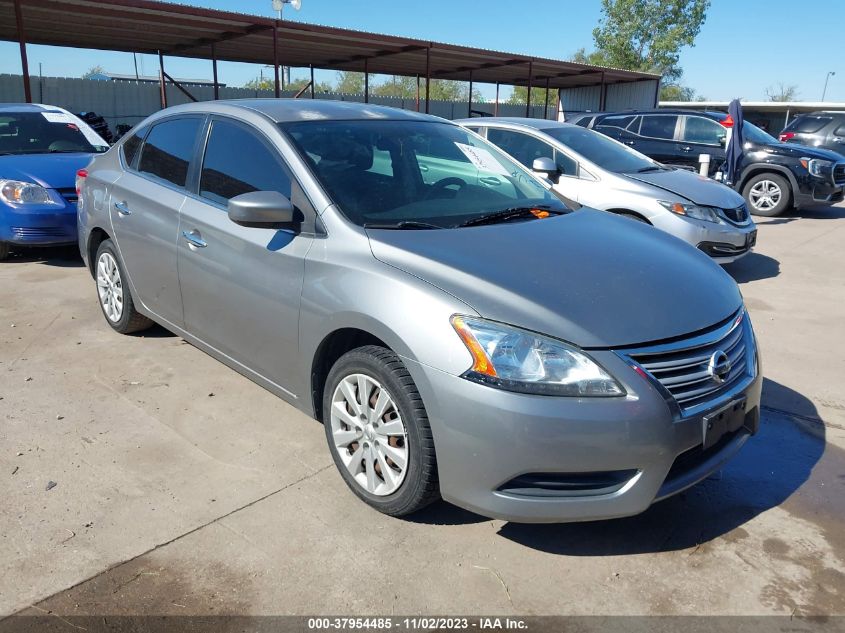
pixel 482 159
pixel 58 116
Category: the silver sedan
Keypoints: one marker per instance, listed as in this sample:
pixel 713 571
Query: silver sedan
pixel 601 173
pixel 457 330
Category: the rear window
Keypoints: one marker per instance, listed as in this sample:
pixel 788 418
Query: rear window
pixel 131 145
pixel 168 150
pixel 808 124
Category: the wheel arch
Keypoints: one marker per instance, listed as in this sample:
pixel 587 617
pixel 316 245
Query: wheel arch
pixel 756 169
pixel 96 237
pixel 621 211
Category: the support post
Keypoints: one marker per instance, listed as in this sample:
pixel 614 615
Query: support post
pixel 546 108
pixel 602 93
pixel 557 104
pixel 27 89
pixel 427 77
pixel 418 93
pixel 276 86
pixel 214 71
pixel 366 81
pixel 469 112
pixel 528 93
pixel 496 107
pixel 161 80
pixel 311 66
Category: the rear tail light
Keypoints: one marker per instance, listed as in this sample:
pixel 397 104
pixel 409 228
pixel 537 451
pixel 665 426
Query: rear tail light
pixel 81 175
pixel 783 138
pixel 728 121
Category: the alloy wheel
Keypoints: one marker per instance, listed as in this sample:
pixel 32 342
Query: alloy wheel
pixel 765 195
pixel 110 287
pixel 369 434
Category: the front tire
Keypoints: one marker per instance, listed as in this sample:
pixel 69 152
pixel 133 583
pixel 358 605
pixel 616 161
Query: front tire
pixel 113 292
pixel 378 431
pixel 4 250
pixel 767 195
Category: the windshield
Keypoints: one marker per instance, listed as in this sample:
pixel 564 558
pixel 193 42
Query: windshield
pixel 751 132
pixel 46 132
pixel 601 150
pixel 414 172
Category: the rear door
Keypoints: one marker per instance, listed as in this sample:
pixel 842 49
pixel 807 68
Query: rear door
pixel 836 140
pixel 656 138
pixel 241 286
pixel 144 208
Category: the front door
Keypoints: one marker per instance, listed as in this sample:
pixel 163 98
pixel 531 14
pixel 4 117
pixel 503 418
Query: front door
pixel 241 286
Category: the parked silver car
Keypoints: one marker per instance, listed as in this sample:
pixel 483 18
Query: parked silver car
pixel 602 173
pixel 456 329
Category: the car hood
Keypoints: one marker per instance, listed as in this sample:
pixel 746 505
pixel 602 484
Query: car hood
pixel 797 151
pixel 692 186
pixel 590 278
pixel 54 171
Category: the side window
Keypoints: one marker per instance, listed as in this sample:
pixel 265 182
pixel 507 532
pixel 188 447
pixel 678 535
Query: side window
pixel 168 149
pixel 698 129
pixel 236 161
pixel 840 131
pixel 659 126
pixel 618 121
pixel 566 165
pixel 131 146
pixel 522 147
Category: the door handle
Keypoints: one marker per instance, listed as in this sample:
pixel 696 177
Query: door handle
pixel 423 167
pixel 193 238
pixel 628 142
pixel 685 148
pixel 490 180
pixel 122 208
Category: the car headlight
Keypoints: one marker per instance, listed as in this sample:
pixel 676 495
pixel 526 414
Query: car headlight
pixel 817 167
pixel 691 210
pixel 518 360
pixel 18 192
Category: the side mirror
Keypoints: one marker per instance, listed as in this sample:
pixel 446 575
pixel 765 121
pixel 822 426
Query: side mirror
pixel 263 210
pixel 545 167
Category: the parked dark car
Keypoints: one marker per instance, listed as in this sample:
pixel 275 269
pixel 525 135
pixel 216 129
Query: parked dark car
pixel 817 129
pixel 774 177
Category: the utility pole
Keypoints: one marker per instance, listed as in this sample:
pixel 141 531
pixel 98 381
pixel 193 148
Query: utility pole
pixel 826 77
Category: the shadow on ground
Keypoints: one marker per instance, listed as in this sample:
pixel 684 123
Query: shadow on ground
pixel 61 256
pixel 772 466
pixel 753 267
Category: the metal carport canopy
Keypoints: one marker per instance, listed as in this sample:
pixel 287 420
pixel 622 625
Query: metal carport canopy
pixel 147 26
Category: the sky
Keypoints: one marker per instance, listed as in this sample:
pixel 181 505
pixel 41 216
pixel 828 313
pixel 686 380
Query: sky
pixel 744 47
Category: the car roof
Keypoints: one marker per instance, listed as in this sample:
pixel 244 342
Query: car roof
pixel 537 124
pixel 25 107
pixel 288 110
pixel 708 113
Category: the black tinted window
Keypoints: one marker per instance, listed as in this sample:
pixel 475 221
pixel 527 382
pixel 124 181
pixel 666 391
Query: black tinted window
pixel 618 121
pixel 659 126
pixel 168 149
pixel 808 124
pixel 131 145
pixel 566 165
pixel 236 161
pixel 522 147
pixel 699 129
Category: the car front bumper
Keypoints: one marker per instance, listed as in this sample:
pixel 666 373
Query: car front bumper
pixel 622 453
pixel 36 225
pixel 725 243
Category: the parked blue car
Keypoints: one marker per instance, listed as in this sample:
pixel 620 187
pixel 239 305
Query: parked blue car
pixel 41 150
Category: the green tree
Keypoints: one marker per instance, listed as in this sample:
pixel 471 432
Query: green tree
pixel 782 93
pixel 645 35
pixel 678 92
pixel 450 90
pixel 396 86
pixel 94 70
pixel 260 83
pixel 538 95
pixel 349 82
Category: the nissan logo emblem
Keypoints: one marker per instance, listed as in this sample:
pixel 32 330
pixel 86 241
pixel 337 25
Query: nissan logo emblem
pixel 719 366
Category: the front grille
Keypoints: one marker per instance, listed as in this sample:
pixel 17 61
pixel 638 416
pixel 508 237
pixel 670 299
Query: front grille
pixel 36 233
pixel 738 215
pixel 684 368
pixel 839 173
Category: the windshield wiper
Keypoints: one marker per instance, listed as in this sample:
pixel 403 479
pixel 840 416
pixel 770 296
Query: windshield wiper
pixel 507 214
pixel 404 224
pixel 643 170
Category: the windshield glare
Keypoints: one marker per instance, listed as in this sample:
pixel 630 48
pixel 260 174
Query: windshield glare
pixel 388 172
pixel 33 133
pixel 601 150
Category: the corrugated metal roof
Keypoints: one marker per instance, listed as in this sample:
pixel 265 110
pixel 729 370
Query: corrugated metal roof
pixel 147 26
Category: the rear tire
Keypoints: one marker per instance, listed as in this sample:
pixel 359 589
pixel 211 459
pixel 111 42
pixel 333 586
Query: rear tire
pixel 374 416
pixel 4 250
pixel 113 292
pixel 767 194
